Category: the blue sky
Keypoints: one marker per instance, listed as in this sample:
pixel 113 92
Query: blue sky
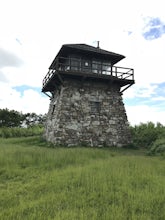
pixel 32 33
pixel 154 29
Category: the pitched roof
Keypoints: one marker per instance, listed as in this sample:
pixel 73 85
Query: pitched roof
pixel 88 50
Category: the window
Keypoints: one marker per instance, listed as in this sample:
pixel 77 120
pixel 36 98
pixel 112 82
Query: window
pixel 95 107
pixel 53 107
pixel 86 65
pixel 96 66
pixel 106 68
pixel 75 63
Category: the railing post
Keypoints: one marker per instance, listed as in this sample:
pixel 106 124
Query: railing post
pixel 70 63
pixel 101 68
pixel 111 70
pixel 80 64
pixel 116 71
pixel 57 64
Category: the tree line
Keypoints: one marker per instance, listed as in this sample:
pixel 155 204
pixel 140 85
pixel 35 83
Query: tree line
pixel 17 124
pixel 12 118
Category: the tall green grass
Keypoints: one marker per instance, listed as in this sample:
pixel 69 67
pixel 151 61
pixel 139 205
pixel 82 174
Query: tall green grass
pixel 6 132
pixel 38 182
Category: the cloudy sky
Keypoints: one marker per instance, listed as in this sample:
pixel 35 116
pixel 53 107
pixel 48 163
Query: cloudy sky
pixel 33 31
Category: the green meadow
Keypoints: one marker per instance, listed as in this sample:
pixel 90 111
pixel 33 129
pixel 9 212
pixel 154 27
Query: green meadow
pixel 38 181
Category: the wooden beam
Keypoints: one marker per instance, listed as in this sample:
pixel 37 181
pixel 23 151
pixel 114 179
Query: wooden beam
pixel 126 88
pixel 47 95
pixel 60 78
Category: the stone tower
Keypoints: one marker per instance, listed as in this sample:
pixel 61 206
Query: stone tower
pixel 85 90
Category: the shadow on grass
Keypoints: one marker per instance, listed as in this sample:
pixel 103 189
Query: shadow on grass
pixel 36 141
pixel 39 141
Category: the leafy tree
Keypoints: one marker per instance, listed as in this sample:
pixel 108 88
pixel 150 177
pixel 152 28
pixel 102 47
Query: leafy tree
pixel 145 134
pixel 158 147
pixel 32 119
pixel 10 118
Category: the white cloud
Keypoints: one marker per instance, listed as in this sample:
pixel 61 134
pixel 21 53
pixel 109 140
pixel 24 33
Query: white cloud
pixel 30 101
pixel 9 59
pixel 144 113
pixel 34 102
pixel 141 91
pixel 3 77
pixel 159 98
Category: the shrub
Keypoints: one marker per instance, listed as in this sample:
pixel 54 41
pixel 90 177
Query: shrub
pixel 21 132
pixel 158 147
pixel 145 134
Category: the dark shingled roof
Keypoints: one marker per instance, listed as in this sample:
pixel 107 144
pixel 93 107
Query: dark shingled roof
pixel 90 51
pixel 89 48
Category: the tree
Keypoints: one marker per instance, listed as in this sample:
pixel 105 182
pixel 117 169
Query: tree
pixel 31 119
pixel 145 134
pixel 10 118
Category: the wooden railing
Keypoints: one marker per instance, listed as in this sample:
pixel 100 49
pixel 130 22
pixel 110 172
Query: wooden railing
pixel 48 77
pixel 74 65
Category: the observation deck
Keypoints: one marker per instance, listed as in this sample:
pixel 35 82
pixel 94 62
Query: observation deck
pixel 84 69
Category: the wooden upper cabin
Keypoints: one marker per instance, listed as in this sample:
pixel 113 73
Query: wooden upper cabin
pixel 84 62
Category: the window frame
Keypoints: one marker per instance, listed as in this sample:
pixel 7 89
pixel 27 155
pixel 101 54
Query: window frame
pixel 95 107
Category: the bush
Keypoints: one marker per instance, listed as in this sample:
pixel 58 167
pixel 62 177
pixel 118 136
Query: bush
pixel 158 147
pixel 21 132
pixel 145 134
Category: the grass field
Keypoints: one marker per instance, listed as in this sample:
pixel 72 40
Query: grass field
pixel 38 182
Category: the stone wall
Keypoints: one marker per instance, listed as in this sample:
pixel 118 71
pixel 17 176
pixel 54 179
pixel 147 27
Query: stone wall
pixel 87 113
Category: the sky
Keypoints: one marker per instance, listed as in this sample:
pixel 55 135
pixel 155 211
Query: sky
pixel 33 31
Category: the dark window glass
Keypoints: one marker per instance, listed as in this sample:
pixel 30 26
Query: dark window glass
pixel 95 107
pixel 106 68
pixel 96 66
pixel 75 63
pixel 53 109
pixel 86 65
